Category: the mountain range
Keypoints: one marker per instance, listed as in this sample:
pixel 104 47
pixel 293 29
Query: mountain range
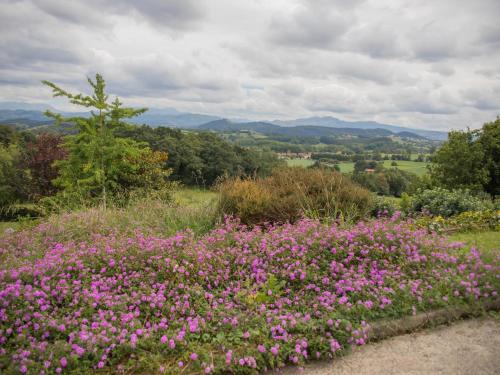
pixel 31 115
pixel 266 128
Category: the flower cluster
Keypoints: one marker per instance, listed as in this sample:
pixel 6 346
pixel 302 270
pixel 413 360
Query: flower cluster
pixel 237 299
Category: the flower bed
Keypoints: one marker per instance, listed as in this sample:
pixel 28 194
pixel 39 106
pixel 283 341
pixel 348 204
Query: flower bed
pixel 235 300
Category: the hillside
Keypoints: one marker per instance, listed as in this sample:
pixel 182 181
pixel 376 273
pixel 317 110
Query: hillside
pixel 31 115
pixel 302 130
pixel 329 121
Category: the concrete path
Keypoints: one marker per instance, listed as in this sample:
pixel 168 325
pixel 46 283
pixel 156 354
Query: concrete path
pixel 469 347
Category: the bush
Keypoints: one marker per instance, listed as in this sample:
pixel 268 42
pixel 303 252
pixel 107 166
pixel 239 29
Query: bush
pixel 463 222
pixel 384 206
pixel 290 193
pixel 384 181
pixel 446 203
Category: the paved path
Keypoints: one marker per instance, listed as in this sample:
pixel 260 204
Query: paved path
pixel 469 347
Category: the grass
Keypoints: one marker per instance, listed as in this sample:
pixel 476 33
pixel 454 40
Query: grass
pixel 192 208
pixel 4 225
pixel 299 162
pixel 419 168
pixel 488 242
pixel 194 197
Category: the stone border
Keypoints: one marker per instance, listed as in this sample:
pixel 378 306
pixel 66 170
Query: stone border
pixel 386 329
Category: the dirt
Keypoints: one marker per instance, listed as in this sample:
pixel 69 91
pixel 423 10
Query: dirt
pixel 469 347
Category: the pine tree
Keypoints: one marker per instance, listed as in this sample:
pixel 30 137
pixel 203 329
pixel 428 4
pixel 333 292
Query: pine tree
pixel 98 160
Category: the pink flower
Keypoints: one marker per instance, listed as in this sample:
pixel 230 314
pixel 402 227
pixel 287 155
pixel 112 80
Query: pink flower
pixel 63 361
pixel 164 339
pixel 193 356
pixel 229 356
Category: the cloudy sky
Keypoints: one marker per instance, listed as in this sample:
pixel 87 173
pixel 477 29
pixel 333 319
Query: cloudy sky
pixel 424 63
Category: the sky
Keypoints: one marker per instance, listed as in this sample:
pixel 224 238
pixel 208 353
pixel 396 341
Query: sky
pixel 432 64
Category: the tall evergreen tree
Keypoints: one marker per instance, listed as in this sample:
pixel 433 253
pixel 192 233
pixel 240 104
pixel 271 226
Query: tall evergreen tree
pixel 98 160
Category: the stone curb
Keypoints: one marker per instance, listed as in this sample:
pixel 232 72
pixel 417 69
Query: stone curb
pixel 386 329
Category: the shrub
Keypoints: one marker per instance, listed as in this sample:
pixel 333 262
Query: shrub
pixel 247 198
pixel 290 193
pixel 384 181
pixel 463 222
pixel 384 206
pixel 446 203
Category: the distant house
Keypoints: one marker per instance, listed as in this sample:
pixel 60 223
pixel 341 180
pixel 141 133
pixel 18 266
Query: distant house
pixel 369 170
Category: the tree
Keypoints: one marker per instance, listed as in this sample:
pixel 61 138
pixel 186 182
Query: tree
pixel 470 159
pixel 490 143
pixel 98 160
pixel 39 159
pixel 460 162
pixel 10 177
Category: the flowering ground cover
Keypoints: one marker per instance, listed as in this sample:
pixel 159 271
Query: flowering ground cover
pixel 234 300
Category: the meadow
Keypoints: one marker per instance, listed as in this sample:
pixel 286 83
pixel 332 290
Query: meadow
pixel 419 168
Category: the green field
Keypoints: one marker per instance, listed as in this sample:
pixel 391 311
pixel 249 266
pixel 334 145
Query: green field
pixel 419 168
pixel 416 167
pixel 299 162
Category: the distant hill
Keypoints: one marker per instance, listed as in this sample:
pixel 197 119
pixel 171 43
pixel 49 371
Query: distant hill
pixel 23 119
pixel 266 128
pixel 225 125
pixel 330 121
pixel 30 115
pixel 171 117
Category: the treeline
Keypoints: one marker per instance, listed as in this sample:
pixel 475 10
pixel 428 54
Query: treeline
pixel 342 157
pixel 331 144
pixel 200 158
pixel 385 181
pixel 30 163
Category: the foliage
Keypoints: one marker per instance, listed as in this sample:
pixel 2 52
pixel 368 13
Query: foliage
pixel 490 143
pixel 201 158
pixel 236 300
pixel 290 193
pixel 442 202
pixel 100 164
pixel 384 181
pixel 39 159
pixel 463 222
pixel 12 179
pixel 469 159
pixel 384 206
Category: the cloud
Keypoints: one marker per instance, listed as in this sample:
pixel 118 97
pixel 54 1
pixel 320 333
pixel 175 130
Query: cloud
pixel 432 64
pixel 174 14
pixel 313 24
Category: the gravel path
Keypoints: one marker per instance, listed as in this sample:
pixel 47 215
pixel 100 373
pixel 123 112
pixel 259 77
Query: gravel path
pixel 469 347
